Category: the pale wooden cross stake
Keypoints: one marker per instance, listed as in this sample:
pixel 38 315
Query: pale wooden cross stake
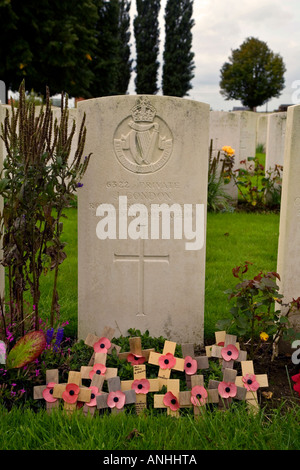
pixel 72 392
pixel 136 355
pixel 46 391
pixel 229 353
pixel 251 383
pixel 141 385
pixel 99 368
pixel 191 363
pixel 100 343
pixel 116 398
pixel 227 388
pixel 166 362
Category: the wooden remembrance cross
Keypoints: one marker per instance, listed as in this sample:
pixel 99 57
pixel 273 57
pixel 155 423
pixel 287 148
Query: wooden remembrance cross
pixel 141 385
pixel 191 363
pixel 96 389
pixel 197 397
pixel 172 406
pixel 141 258
pixel 72 392
pixel 229 388
pixel 99 368
pixel 166 362
pixel 136 355
pixel 116 398
pixel 46 391
pixel 251 382
pixel 229 353
pixel 93 341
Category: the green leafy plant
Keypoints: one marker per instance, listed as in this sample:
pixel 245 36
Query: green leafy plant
pixel 254 314
pixel 258 188
pixel 38 181
pixel 218 170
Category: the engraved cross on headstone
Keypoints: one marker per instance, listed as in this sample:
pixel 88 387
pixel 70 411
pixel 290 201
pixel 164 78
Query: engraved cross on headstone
pixel 141 258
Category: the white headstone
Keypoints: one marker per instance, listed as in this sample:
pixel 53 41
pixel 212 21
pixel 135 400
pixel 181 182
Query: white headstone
pixel 261 130
pixel 288 262
pixel 275 140
pixel 146 151
pixel 236 129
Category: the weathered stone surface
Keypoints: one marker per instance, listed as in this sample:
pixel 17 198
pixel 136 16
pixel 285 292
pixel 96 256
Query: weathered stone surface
pixel 141 279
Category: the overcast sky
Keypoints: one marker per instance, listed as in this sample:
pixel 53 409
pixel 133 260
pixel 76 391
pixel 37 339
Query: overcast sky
pixel 223 25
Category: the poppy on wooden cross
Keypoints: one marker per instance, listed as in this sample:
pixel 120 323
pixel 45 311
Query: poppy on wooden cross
pixel 198 397
pixel 102 343
pixel 96 389
pixel 227 388
pixel 72 392
pixel 141 385
pixel 251 382
pixel 46 391
pixel 166 361
pixel 99 368
pixel 136 355
pixel 192 363
pixel 229 353
pixel 115 399
pixel 169 400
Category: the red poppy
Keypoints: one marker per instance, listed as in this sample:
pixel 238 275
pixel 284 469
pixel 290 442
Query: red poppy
pixel 250 382
pixel 198 395
pixel 99 369
pixel 171 401
pixel 190 365
pixel 48 393
pixel 167 361
pixel 94 393
pixel 141 386
pixel 227 389
pixel 102 345
pixel 230 352
pixel 135 360
pixel 296 379
pixel 70 395
pixel 116 399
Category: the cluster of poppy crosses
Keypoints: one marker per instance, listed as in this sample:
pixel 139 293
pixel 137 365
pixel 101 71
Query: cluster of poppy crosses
pixel 121 393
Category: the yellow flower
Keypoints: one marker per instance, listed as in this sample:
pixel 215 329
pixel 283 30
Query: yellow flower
pixel 264 336
pixel 227 149
pixel 88 56
pixel 21 66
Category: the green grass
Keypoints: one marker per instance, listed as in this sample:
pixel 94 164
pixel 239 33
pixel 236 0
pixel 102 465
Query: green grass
pixel 224 430
pixel 232 239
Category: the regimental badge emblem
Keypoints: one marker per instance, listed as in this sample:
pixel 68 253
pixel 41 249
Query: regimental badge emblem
pixel 143 141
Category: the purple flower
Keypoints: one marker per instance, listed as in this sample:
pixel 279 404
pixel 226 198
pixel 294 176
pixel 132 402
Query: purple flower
pixel 79 185
pixel 59 337
pixel 49 335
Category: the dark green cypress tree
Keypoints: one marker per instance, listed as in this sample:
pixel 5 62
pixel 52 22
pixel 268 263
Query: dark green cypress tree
pixel 124 60
pixel 178 57
pixel 146 31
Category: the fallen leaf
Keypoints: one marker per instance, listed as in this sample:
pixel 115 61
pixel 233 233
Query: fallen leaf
pixel 267 395
pixel 133 433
